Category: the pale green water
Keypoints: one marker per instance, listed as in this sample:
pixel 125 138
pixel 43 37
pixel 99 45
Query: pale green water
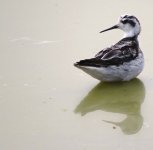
pixel 124 98
pixel 48 104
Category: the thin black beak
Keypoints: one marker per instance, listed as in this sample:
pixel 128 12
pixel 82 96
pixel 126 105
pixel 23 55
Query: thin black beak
pixel 111 28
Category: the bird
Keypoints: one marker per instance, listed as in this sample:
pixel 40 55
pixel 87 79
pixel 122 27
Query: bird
pixel 122 61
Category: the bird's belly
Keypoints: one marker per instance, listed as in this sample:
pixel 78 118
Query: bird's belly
pixel 124 72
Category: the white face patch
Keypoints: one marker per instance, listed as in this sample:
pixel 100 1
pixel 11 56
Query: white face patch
pixel 130 25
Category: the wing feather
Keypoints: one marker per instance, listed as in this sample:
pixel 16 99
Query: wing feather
pixel 125 50
pixel 119 53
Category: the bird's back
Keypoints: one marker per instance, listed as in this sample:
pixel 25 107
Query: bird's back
pixel 125 50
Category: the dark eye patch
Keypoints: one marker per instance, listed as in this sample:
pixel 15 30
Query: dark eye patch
pixel 124 21
pixel 131 17
pixel 131 22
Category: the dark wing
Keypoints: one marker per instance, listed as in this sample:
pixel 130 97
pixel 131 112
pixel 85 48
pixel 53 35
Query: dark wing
pixel 119 53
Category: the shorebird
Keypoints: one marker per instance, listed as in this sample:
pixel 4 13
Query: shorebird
pixel 120 62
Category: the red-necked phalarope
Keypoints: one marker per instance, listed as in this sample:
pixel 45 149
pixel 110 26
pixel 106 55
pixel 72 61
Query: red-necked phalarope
pixel 120 62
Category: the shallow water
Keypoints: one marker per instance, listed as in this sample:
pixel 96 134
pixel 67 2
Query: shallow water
pixel 45 102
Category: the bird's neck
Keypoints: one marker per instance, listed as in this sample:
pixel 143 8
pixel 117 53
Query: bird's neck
pixel 134 38
pixel 131 33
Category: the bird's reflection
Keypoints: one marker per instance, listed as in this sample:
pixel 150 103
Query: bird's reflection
pixel 120 97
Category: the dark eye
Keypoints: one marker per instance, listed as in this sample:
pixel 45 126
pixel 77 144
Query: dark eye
pixel 131 22
pixel 124 21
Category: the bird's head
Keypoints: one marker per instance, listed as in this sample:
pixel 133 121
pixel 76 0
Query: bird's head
pixel 129 24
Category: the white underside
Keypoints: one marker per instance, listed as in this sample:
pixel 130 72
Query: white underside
pixel 124 72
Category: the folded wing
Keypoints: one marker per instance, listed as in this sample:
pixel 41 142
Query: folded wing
pixel 124 51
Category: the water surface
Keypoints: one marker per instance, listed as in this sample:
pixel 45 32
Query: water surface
pixel 45 102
